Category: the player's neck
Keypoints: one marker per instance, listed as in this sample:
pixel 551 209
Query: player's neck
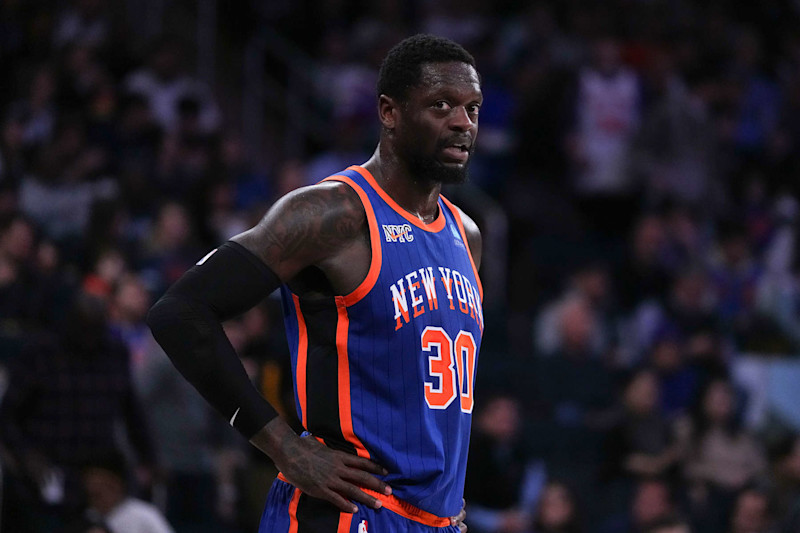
pixel 420 198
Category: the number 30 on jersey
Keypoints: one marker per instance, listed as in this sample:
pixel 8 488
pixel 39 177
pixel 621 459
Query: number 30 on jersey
pixel 453 364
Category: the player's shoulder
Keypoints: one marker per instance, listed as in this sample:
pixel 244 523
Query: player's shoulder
pixel 330 200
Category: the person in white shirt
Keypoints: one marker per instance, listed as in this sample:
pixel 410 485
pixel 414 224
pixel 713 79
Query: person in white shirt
pixel 110 504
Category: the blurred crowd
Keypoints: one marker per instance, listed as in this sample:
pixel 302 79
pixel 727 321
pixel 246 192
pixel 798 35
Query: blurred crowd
pixel 643 155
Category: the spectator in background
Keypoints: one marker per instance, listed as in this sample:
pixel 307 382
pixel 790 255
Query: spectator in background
pixel 17 245
pixel 590 283
pixel 557 511
pixel 105 272
pixel 651 503
pixel 674 150
pixel 224 220
pixel 463 22
pixel 111 226
pixel 34 290
pixel 170 249
pixel 779 290
pixel 752 513
pixel 252 188
pixel 14 160
pixel 785 464
pixel 687 311
pixel 722 458
pixel 127 309
pixel 165 83
pixel 188 156
pixel 109 501
pixel 570 394
pixel 689 308
pixel 344 147
pixel 81 75
pixel 65 399
pixel 641 444
pixel 502 482
pixel 538 89
pixel 786 140
pixel 757 216
pixel 677 379
pixel 707 357
pixel 576 331
pixel 607 110
pixel 643 275
pixel 758 98
pixel 85 22
pixel 735 277
pixel 51 296
pixel 343 83
pixel 38 110
pixel 687 237
pixel 69 179
pixel 138 138
pixel 196 486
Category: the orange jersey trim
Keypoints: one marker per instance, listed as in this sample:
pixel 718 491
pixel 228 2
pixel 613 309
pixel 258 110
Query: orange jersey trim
pixel 406 510
pixel 345 412
pixel 433 227
pixel 457 216
pixel 302 360
pixel 374 240
pixel 293 523
pixel 393 504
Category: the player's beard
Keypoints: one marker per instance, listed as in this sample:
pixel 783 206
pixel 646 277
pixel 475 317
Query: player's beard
pixel 428 168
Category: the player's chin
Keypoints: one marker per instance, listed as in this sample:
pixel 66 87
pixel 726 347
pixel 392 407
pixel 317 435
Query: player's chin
pixel 453 173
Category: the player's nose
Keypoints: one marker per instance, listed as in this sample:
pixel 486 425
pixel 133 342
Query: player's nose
pixel 460 119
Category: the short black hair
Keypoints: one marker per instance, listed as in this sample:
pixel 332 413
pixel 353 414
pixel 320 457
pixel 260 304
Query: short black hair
pixel 400 70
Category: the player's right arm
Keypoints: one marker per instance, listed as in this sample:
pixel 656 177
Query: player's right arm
pixel 310 226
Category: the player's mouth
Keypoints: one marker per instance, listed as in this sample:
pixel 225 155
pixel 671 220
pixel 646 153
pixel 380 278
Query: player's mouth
pixel 458 152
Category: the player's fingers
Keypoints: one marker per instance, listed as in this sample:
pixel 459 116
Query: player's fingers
pixel 364 464
pixel 352 492
pixel 342 503
pixel 366 480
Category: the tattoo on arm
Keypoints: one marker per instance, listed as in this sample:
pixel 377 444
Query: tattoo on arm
pixel 306 226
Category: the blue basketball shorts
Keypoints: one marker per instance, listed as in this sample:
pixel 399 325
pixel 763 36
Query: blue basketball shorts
pixel 288 510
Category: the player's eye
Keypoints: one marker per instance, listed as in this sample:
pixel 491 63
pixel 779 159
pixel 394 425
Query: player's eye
pixel 473 109
pixel 441 104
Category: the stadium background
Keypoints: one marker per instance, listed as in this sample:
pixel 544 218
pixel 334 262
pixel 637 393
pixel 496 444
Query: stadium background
pixel 636 183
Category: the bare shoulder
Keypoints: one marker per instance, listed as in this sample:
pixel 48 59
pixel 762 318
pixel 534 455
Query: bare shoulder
pixel 474 238
pixel 306 226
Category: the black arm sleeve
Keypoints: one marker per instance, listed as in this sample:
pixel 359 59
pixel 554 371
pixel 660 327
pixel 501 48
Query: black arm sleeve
pixel 187 323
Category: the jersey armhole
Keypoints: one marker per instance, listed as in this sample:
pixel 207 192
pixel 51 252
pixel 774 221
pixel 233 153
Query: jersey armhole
pixel 374 240
pixel 460 223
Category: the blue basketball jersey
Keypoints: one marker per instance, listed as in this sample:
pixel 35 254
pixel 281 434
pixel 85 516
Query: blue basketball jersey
pixel 387 372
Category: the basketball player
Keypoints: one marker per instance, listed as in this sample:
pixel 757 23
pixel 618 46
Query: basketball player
pixel 382 305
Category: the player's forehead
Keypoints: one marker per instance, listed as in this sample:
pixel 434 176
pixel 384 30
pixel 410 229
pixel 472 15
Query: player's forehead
pixel 448 76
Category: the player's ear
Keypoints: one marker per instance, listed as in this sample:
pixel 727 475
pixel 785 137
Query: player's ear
pixel 388 109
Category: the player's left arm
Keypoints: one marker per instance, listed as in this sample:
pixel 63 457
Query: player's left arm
pixel 474 238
